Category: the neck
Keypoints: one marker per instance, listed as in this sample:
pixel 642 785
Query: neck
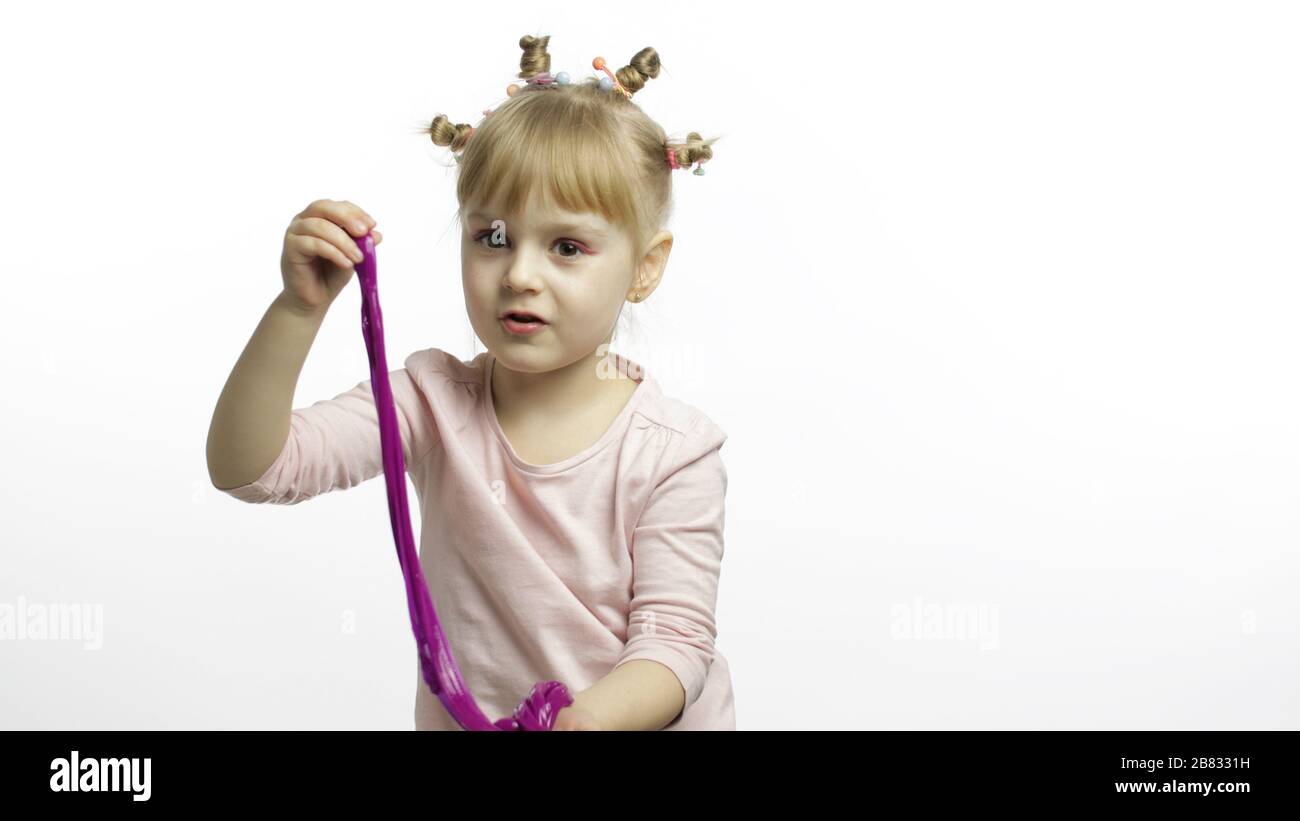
pixel 555 393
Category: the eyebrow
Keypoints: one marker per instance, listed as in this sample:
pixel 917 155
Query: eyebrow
pixel 579 227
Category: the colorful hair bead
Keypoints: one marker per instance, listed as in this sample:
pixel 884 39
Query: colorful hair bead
pixel 609 80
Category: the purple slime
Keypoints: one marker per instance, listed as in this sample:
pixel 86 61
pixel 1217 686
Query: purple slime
pixel 538 709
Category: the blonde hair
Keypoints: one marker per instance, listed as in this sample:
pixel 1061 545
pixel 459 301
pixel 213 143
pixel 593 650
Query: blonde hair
pixel 592 150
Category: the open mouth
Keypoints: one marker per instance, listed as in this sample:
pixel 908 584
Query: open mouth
pixel 522 324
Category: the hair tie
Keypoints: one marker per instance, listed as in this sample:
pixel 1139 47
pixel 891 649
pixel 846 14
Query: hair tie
pixel 674 163
pixel 609 82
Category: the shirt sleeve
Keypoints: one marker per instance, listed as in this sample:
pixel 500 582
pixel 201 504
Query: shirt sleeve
pixel 334 444
pixel 677 548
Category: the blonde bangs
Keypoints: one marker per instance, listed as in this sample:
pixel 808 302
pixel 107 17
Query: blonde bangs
pixel 563 141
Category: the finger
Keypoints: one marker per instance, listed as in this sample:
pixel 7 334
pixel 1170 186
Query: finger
pixel 329 231
pixel 351 218
pixel 314 208
pixel 357 215
pixel 333 253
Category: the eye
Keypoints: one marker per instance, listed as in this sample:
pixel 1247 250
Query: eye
pixel 482 235
pixel 579 250
pixel 572 248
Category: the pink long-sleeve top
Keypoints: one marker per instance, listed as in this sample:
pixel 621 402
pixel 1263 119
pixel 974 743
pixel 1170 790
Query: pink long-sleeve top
pixel 539 572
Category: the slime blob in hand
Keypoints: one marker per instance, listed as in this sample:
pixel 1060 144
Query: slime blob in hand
pixel 538 709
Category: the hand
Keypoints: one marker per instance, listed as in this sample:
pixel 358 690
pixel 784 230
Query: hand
pixel 575 717
pixel 321 251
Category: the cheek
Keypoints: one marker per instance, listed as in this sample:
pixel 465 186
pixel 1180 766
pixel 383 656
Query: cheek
pixel 478 281
pixel 479 297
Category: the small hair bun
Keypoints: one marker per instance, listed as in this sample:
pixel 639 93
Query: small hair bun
pixel 535 59
pixel 444 133
pixel 643 66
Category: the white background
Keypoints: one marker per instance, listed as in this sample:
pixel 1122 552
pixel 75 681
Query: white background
pixel 995 300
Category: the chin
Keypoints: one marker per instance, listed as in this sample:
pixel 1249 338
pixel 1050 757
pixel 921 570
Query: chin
pixel 527 362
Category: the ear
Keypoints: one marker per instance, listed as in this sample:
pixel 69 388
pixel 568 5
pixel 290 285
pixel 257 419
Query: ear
pixel 650 267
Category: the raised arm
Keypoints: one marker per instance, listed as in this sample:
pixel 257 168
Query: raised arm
pixel 251 422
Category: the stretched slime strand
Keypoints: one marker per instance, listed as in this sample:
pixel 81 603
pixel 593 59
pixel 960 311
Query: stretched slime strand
pixel 538 709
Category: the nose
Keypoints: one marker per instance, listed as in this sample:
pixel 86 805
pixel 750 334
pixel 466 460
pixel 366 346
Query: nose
pixel 525 263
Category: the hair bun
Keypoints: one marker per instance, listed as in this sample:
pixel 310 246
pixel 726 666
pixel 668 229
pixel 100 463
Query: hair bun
pixel 443 132
pixel 535 59
pixel 643 66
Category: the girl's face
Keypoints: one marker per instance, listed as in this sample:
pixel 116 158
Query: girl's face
pixel 573 270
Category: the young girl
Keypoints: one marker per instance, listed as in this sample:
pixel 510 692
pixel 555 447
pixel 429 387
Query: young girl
pixel 572 514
